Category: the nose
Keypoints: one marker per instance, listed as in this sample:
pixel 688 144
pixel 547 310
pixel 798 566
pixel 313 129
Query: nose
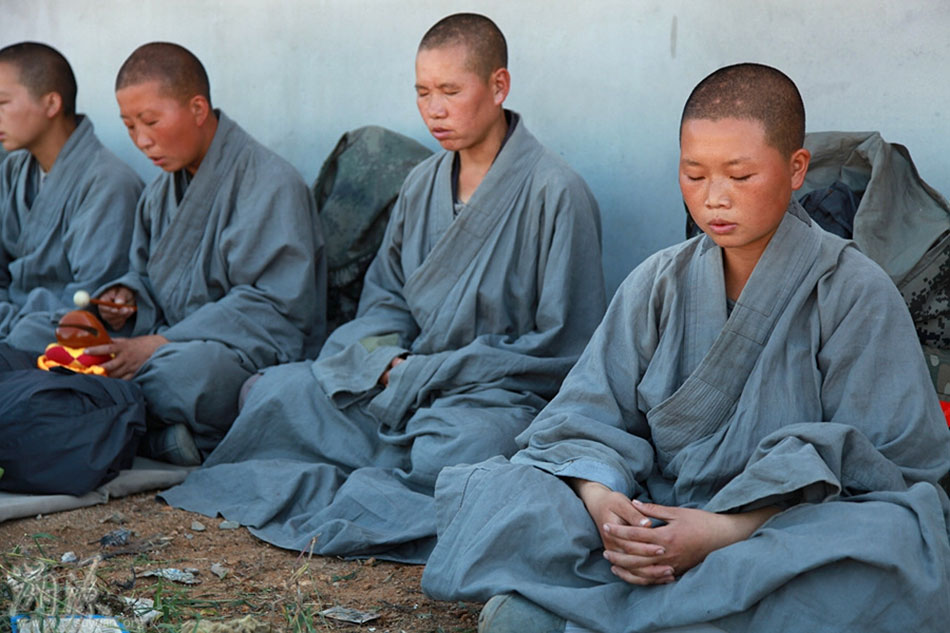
pixel 717 193
pixel 435 107
pixel 142 140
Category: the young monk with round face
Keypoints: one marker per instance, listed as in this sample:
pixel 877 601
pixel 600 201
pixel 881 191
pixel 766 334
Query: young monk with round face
pixel 37 101
pixel 461 83
pixel 66 203
pixel 738 456
pixel 218 287
pixel 741 157
pixel 165 103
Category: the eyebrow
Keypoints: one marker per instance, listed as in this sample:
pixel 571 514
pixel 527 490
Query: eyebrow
pixel 441 86
pixel 734 161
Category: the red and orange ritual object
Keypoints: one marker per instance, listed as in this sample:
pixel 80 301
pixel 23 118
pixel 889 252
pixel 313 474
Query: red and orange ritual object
pixel 77 330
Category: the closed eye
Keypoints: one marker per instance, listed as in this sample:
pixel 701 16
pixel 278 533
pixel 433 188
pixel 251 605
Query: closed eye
pixel 741 178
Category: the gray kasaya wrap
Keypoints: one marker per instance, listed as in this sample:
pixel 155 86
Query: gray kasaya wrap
pixel 233 276
pixel 811 395
pixel 492 308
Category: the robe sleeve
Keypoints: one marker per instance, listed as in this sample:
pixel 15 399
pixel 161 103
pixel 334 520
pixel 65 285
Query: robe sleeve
pixel 270 246
pixel 358 352
pixel 8 310
pixel 148 315
pixel 96 241
pixel 885 438
pixel 569 305
pixel 594 428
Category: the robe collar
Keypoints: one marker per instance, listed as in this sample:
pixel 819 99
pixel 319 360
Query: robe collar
pixel 723 351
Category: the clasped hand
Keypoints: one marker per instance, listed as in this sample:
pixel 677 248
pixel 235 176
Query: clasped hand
pixel 645 555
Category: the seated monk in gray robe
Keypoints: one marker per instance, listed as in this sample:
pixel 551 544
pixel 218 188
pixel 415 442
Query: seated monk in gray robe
pixel 66 202
pixel 750 442
pixel 227 273
pixel 484 291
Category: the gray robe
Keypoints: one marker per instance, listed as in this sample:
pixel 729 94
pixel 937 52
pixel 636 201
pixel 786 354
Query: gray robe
pixel 234 276
pixel 72 234
pixel 492 307
pixel 811 395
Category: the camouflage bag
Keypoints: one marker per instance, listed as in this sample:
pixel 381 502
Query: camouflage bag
pixel 901 222
pixel 355 193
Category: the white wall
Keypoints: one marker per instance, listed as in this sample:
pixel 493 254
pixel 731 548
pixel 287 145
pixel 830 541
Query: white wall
pixel 601 82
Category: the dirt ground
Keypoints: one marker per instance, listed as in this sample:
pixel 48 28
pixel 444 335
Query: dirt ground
pixel 284 589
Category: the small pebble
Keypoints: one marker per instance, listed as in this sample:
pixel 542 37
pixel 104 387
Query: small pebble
pixel 219 570
pixel 189 536
pixel 229 525
pixel 198 526
pixel 68 557
pixel 115 517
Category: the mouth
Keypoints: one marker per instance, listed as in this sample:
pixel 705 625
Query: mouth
pixel 721 227
pixel 157 160
pixel 440 133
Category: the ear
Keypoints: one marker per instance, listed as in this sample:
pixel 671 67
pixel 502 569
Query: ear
pixel 200 109
pixel 798 162
pixel 52 104
pixel 500 84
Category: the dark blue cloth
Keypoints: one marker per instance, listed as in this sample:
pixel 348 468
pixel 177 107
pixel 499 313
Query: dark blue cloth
pixel 63 432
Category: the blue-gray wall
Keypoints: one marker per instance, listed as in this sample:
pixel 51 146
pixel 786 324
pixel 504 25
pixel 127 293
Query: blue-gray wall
pixel 601 82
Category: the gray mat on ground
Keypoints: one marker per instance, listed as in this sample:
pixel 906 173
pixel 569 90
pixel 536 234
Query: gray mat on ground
pixel 145 474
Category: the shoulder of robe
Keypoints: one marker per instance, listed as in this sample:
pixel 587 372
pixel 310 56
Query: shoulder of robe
pixel 12 164
pixel 856 278
pixel 554 179
pixel 422 175
pixel 661 268
pixel 261 168
pixel 108 170
pixel 552 166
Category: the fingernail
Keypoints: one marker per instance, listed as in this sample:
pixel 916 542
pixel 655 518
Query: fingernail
pixel 637 502
pixel 606 528
pixel 660 552
pixel 644 522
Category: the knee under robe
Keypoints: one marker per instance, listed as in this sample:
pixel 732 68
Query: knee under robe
pixel 491 307
pixel 72 233
pixel 810 395
pixel 233 275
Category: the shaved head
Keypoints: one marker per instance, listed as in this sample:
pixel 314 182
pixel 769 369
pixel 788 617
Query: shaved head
pixel 752 92
pixel 486 46
pixel 41 69
pixel 179 72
